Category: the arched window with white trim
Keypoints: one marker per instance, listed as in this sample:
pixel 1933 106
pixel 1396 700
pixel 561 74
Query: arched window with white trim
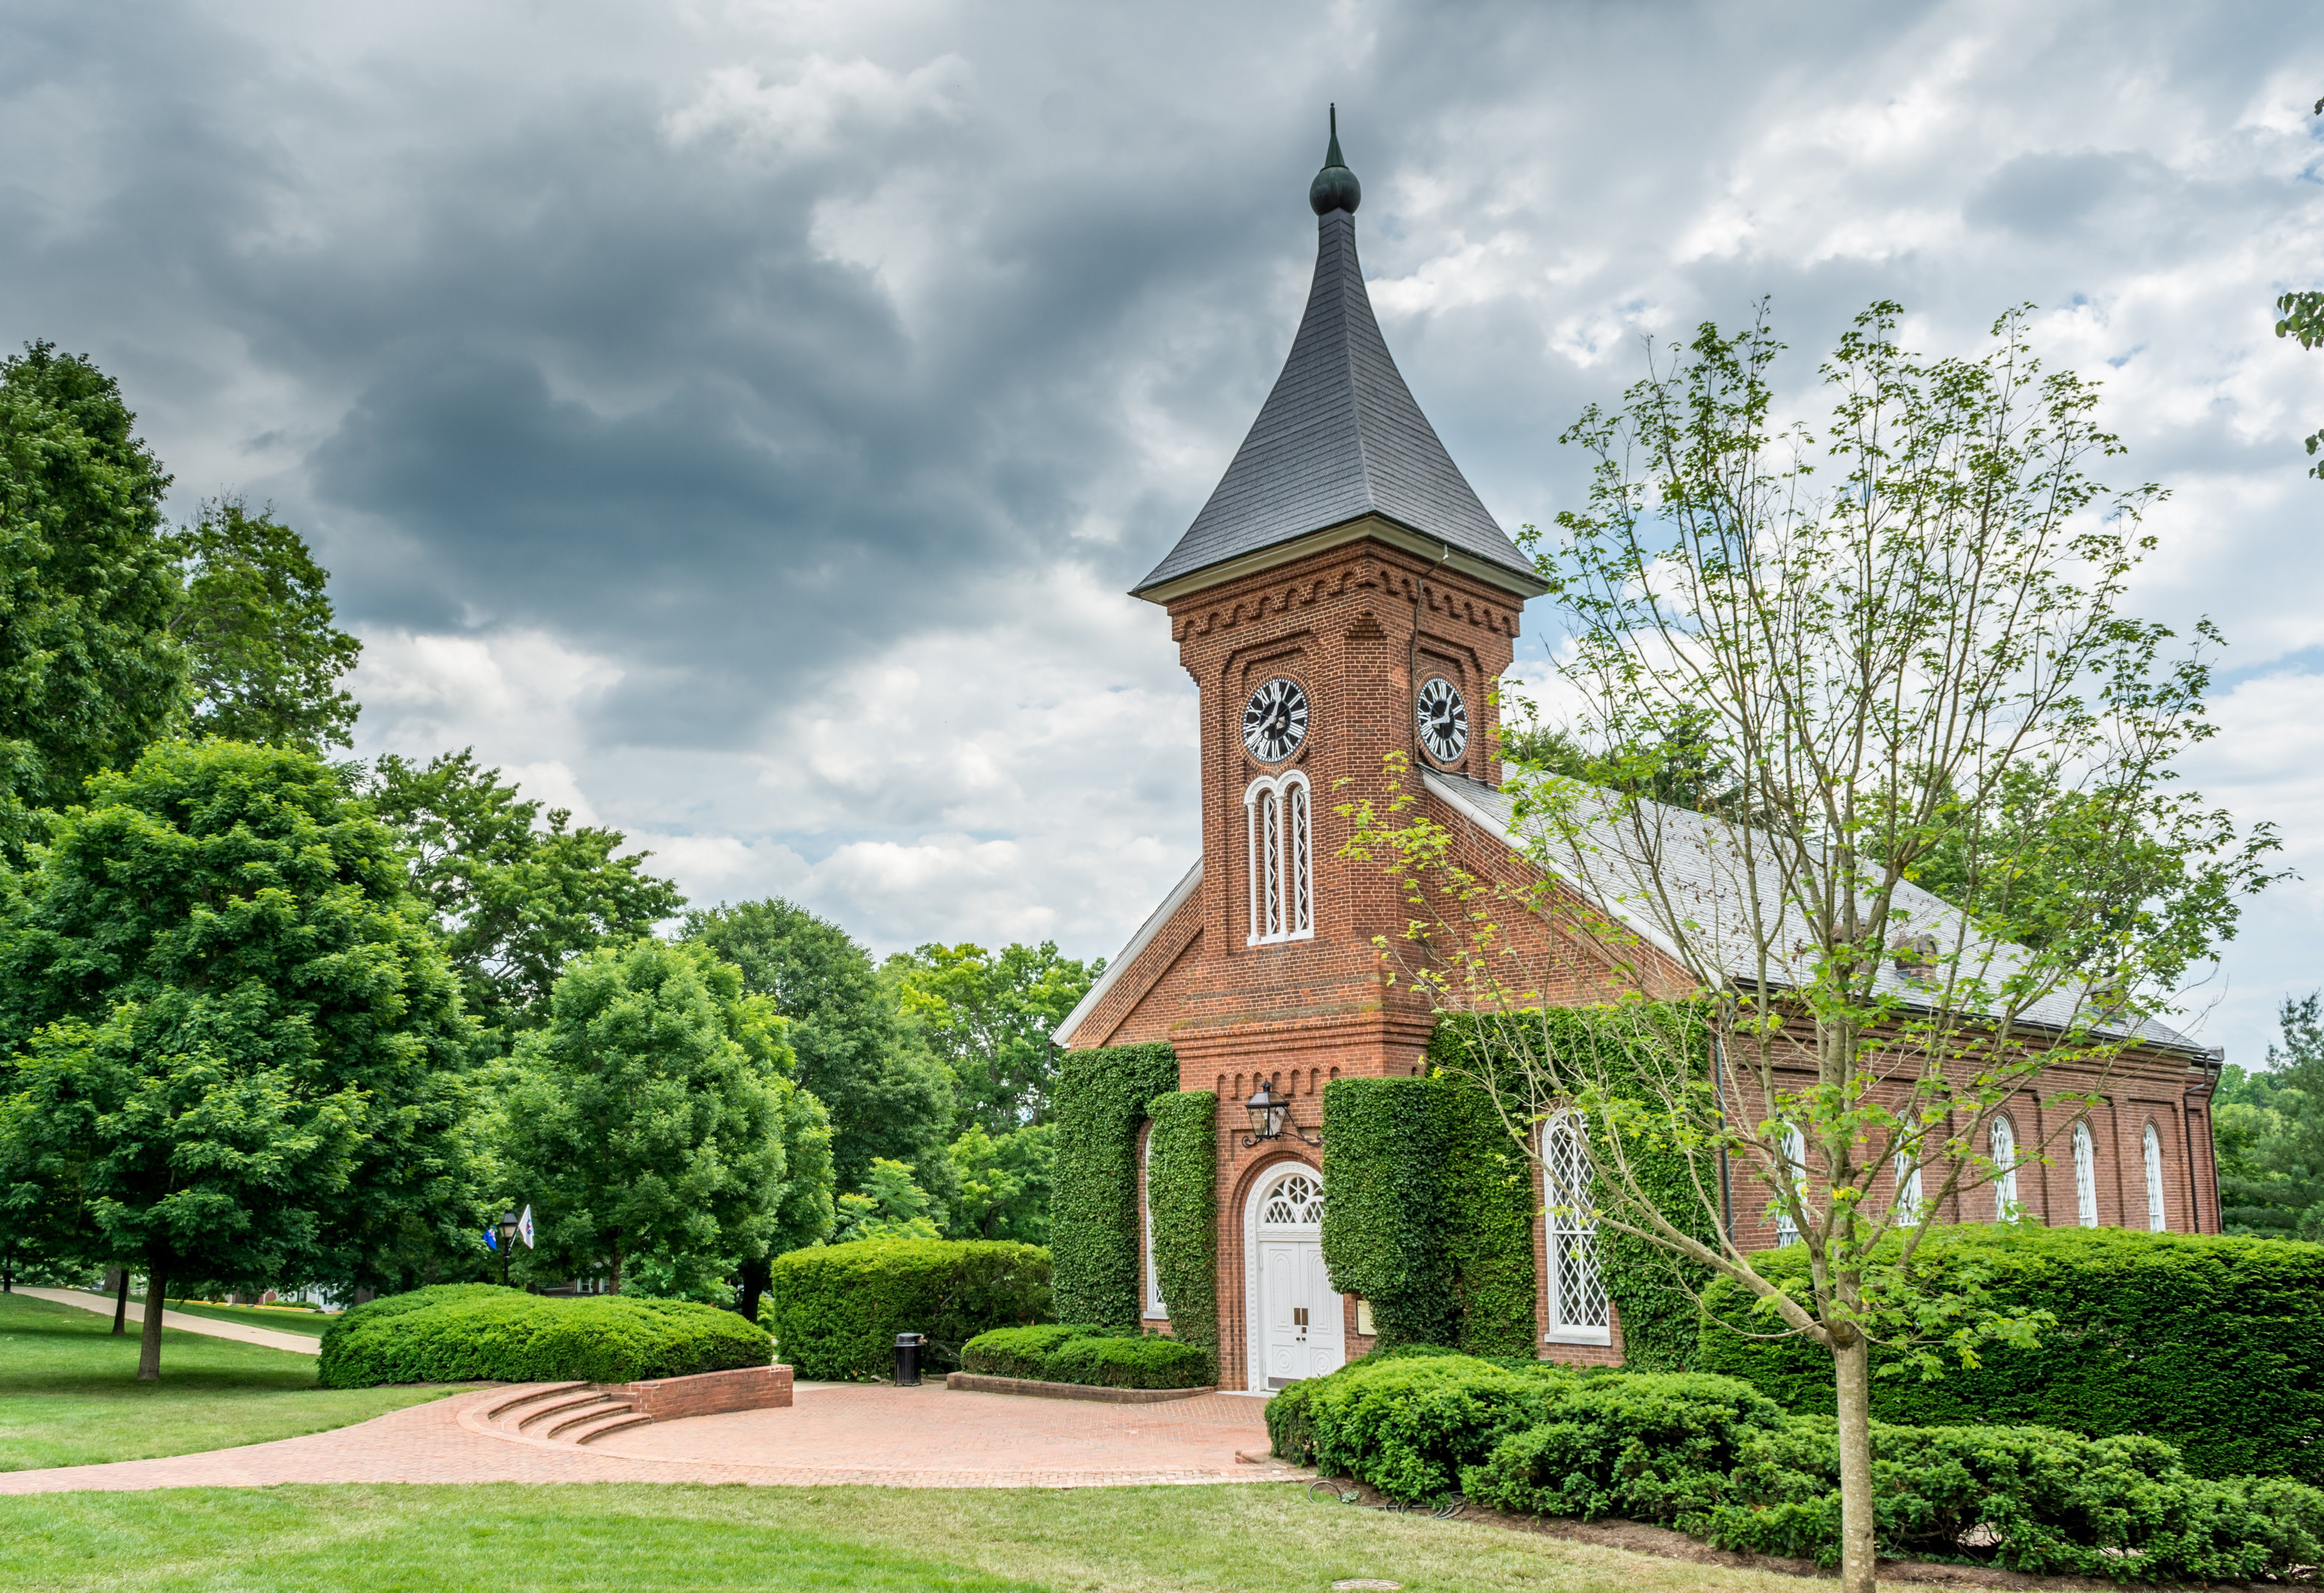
pixel 1155 1307
pixel 1795 1158
pixel 2155 1222
pixel 1279 817
pixel 1576 1292
pixel 2003 1140
pixel 1908 1189
pixel 2086 1177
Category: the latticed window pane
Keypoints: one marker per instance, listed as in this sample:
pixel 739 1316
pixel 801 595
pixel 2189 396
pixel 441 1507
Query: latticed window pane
pixel 1296 1202
pixel 1908 1189
pixel 2086 1177
pixel 1577 1289
pixel 1270 883
pixel 1795 1156
pixel 1303 912
pixel 2154 1222
pixel 2004 1179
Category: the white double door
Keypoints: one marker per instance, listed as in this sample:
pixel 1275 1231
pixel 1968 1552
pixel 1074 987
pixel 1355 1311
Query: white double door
pixel 1298 1318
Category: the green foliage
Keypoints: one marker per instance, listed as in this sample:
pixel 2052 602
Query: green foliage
pixel 1182 1189
pixel 2030 1499
pixel 2269 1128
pixel 2299 316
pixel 1653 1291
pixel 647 1124
pixel 88 674
pixel 263 656
pixel 890 1205
pixel 1001 1184
pixel 988 1016
pixel 1655 1446
pixel 887 1095
pixel 836 1309
pixel 1100 1100
pixel 236 1047
pixel 1022 1352
pixel 1113 1360
pixel 515 899
pixel 466 1332
pixel 2214 1343
pixel 1408 1425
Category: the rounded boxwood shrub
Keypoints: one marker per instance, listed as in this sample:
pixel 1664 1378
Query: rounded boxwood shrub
pixel 1020 1352
pixel 1126 1361
pixel 1646 1446
pixel 1408 1425
pixel 836 1309
pixel 2215 1344
pixel 480 1332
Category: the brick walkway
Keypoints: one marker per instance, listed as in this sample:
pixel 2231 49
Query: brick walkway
pixel 241 1332
pixel 923 1438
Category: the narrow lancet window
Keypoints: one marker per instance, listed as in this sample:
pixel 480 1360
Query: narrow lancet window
pixel 1282 859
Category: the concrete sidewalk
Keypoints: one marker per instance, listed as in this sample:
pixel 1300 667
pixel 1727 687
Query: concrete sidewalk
pixel 296 1343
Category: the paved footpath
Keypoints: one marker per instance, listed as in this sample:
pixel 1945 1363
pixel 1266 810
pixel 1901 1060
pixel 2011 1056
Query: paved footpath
pixel 834 1433
pixel 296 1343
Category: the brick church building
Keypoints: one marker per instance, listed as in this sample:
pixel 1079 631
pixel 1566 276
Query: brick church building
pixel 1343 595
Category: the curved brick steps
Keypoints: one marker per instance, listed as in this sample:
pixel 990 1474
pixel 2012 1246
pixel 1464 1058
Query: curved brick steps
pixel 581 1413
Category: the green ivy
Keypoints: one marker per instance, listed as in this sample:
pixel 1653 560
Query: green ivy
pixel 1654 1293
pixel 1182 1186
pixel 1100 1102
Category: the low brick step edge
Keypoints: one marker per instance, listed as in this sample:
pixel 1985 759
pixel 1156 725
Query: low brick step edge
pixel 528 1395
pixel 978 1382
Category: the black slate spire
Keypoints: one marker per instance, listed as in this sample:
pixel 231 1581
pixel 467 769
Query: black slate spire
pixel 1340 437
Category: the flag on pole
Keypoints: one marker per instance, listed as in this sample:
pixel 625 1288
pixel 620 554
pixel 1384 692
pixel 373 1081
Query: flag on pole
pixel 524 1228
pixel 490 1243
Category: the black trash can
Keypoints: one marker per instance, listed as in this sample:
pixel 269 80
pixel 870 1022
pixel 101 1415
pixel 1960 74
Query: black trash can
pixel 908 1358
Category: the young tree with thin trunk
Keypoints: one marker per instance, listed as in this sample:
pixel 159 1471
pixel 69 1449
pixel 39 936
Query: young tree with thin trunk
pixel 1900 640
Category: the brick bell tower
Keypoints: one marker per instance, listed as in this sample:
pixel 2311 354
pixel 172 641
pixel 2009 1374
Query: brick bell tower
pixel 1341 595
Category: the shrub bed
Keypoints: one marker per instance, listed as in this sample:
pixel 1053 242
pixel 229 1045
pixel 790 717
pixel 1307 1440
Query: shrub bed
pixel 2214 1343
pixel 470 1332
pixel 1099 1358
pixel 836 1309
pixel 1716 1457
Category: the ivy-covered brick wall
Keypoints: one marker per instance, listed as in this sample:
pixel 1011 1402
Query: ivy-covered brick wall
pixel 1182 1187
pixel 1100 1105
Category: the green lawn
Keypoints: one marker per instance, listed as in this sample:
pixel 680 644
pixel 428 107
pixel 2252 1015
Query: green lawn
pixel 257 1316
pixel 643 1537
pixel 70 1395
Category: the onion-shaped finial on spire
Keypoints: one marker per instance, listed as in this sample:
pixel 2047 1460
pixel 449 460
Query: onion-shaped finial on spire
pixel 1335 187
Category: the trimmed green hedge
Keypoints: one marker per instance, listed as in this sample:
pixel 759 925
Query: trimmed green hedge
pixel 1648 1445
pixel 836 1309
pixel 1093 1218
pixel 1102 1358
pixel 471 1332
pixel 1182 1186
pixel 2215 1344
pixel 1408 1423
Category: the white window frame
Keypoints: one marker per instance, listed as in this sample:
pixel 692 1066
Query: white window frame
pixel 1278 826
pixel 2086 1177
pixel 1156 1309
pixel 2001 1141
pixel 1908 1191
pixel 2157 1219
pixel 1575 1225
pixel 1796 1152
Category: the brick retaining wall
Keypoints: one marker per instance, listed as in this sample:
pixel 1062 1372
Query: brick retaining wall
pixel 746 1388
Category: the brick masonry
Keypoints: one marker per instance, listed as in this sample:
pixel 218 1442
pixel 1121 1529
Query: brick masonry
pixel 669 1399
pixel 1358 626
pixel 982 1383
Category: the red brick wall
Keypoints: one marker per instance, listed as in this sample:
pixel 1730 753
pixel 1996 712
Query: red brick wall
pixel 746 1388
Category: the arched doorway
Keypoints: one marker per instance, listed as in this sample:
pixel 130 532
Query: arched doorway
pixel 1294 1319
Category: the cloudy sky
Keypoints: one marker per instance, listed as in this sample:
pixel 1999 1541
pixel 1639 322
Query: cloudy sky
pixel 741 422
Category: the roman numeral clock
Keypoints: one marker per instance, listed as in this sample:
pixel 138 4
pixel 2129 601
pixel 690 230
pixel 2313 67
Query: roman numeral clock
pixel 1275 720
pixel 1443 720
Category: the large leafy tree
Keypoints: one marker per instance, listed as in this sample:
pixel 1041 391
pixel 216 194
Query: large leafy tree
pixel 989 1016
pixel 263 654
pixel 1001 1184
pixel 234 1046
pixel 88 673
pixel 655 1129
pixel 516 896
pixel 1907 627
pixel 888 1096
pixel 2270 1125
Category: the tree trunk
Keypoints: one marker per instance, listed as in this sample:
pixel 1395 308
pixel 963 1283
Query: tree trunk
pixel 149 1346
pixel 1858 1550
pixel 754 1277
pixel 120 1301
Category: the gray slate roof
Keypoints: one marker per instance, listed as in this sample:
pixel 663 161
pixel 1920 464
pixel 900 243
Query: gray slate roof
pixel 1709 894
pixel 1339 437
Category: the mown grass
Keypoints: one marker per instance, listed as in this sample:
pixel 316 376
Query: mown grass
pixel 1244 1538
pixel 70 1395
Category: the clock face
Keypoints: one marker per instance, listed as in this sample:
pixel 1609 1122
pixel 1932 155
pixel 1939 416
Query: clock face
pixel 1443 720
pixel 1275 720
